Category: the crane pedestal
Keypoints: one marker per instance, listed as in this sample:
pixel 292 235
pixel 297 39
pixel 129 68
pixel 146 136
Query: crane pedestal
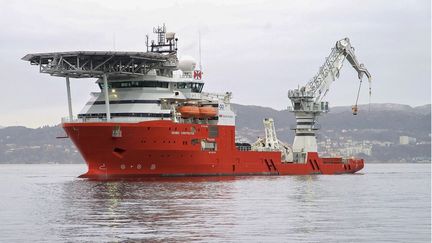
pixel 306 111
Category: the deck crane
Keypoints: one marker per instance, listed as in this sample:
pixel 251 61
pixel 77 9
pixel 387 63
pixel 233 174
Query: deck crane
pixel 271 143
pixel 307 102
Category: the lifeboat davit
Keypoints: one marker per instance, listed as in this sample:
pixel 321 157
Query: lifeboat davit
pixel 189 111
pixel 207 111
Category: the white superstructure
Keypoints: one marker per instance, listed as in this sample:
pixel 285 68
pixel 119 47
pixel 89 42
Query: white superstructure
pixel 137 86
pixel 151 98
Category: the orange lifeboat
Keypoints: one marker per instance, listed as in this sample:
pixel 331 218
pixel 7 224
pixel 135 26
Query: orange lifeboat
pixel 207 111
pixel 189 111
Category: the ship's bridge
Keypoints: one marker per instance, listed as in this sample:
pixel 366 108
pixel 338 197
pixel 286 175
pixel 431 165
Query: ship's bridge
pixel 135 86
pixel 104 65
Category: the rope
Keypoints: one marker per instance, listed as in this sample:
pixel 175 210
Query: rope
pixel 358 92
pixel 370 94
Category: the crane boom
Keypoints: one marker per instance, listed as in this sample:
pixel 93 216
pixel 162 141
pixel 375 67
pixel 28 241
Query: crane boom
pixel 307 102
pixel 319 85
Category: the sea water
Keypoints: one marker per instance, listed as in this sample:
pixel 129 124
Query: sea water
pixel 384 202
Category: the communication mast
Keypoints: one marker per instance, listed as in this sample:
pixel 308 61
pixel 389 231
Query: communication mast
pixel 166 41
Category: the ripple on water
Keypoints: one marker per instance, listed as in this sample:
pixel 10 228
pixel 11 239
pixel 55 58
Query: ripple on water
pixel 383 203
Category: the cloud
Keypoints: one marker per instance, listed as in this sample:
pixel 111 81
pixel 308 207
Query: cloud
pixel 257 49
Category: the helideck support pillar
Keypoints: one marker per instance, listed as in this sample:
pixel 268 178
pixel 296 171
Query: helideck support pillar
pixel 107 105
pixel 69 99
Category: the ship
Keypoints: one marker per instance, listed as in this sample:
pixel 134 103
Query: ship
pixel 152 118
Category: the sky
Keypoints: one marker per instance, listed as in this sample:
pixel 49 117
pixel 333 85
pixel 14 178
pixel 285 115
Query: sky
pixel 256 49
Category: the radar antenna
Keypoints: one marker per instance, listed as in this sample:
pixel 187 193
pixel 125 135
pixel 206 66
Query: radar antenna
pixel 199 49
pixel 166 41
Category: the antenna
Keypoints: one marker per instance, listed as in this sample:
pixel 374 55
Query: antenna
pixel 114 43
pixel 199 49
pixel 166 41
pixel 147 42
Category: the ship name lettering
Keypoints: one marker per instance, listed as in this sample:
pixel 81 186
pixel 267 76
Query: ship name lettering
pixel 182 133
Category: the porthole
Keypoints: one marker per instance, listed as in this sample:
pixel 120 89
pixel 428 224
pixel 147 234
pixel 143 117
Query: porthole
pixel 123 166
pixel 139 166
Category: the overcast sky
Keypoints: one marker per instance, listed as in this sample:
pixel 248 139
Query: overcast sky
pixel 256 49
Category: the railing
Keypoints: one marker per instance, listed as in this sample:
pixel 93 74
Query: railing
pixel 312 127
pixel 113 119
pixel 216 96
pixel 243 146
pixel 69 120
pixel 311 107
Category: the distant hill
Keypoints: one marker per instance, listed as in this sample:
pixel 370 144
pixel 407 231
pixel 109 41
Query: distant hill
pixel 384 107
pixel 395 119
pixel 423 109
pixel 27 145
pixel 380 126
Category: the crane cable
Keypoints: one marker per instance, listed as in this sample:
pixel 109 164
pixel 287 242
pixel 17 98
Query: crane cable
pixel 370 93
pixel 358 92
pixel 355 109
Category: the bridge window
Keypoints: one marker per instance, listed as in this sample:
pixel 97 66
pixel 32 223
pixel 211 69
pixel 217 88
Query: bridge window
pixel 135 84
pixel 194 87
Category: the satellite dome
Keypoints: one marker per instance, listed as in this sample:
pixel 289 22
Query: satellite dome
pixel 186 64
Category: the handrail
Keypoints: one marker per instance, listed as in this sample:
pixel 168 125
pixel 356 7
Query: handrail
pixel 113 119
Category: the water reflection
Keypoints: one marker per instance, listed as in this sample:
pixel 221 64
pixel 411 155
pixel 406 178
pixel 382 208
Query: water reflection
pixel 185 209
pixel 313 208
pixel 388 203
pixel 145 209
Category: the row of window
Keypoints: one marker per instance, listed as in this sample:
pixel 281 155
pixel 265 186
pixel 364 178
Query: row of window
pixel 194 87
pixel 102 102
pixel 135 84
pixel 213 133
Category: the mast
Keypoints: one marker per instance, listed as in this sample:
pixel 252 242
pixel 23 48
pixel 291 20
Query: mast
pixel 199 50
pixel 166 41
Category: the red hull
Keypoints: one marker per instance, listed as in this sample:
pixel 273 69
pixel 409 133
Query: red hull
pixel 164 148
